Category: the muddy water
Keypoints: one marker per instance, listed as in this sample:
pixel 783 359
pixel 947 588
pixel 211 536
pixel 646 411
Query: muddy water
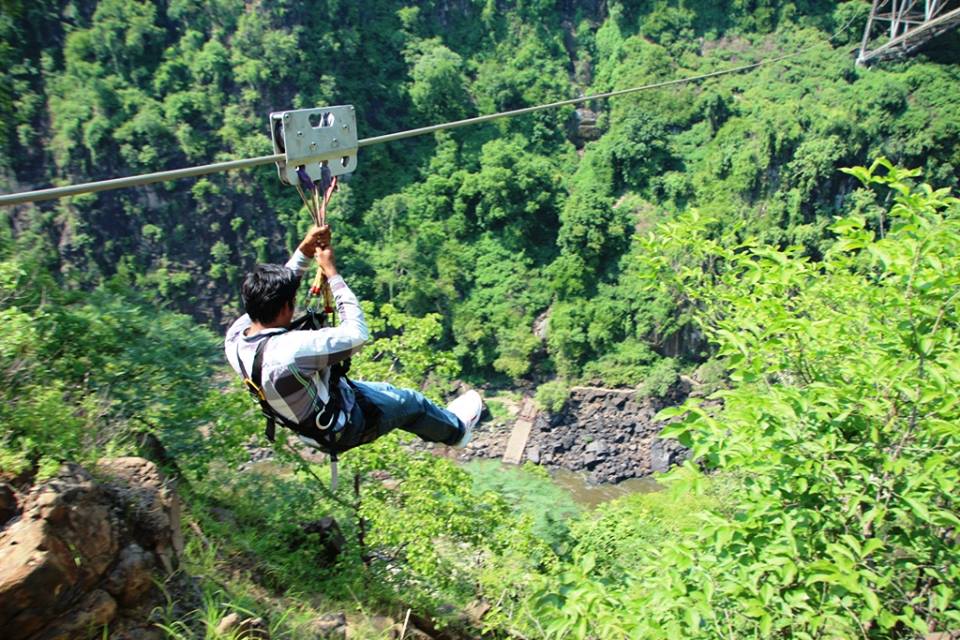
pixel 590 496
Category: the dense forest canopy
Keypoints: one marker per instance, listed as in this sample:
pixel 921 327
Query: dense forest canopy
pixel 489 226
pixel 710 229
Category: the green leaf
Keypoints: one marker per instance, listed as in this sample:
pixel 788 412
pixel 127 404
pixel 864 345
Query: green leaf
pixel 871 545
pixel 918 508
pixel 827 578
pixel 588 562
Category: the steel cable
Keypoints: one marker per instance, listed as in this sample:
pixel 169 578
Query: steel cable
pixel 247 163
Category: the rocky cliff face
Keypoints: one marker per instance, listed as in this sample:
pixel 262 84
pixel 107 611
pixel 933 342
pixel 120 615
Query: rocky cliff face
pixel 81 550
pixel 608 433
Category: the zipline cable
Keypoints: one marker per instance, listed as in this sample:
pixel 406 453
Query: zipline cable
pixel 247 163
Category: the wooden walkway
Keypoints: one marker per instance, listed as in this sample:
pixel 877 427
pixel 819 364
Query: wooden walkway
pixel 521 432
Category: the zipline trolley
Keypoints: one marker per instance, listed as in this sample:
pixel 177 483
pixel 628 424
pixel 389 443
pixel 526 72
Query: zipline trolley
pixel 313 139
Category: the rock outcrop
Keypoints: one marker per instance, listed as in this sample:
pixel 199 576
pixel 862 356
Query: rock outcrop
pixel 587 129
pixel 79 552
pixel 608 433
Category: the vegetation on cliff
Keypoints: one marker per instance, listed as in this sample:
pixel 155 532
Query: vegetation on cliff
pixel 488 226
pixel 705 222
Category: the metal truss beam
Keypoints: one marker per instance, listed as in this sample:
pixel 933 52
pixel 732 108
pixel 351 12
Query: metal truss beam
pixel 908 24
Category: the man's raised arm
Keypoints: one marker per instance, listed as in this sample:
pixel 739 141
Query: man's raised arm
pixel 298 262
pixel 333 344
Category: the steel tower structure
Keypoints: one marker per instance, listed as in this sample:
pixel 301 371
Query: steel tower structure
pixel 908 24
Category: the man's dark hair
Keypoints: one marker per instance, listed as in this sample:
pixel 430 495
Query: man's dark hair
pixel 267 289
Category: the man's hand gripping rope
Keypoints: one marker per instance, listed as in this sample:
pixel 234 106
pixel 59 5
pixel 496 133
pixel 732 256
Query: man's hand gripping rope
pixel 317 243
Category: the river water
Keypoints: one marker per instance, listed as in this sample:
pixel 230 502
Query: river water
pixel 592 495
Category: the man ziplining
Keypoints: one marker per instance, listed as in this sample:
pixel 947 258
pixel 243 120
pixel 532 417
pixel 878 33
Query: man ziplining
pixel 298 375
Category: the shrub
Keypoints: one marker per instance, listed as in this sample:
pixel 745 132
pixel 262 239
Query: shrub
pixel 840 425
pixel 659 379
pixel 551 396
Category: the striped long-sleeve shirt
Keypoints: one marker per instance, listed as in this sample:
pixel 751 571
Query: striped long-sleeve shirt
pixel 296 364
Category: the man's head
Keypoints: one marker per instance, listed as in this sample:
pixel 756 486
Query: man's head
pixel 267 290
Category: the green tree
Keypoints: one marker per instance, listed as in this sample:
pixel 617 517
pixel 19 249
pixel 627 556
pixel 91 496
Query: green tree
pixel 439 87
pixel 838 435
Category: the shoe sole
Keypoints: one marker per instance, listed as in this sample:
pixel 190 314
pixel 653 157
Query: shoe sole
pixel 474 420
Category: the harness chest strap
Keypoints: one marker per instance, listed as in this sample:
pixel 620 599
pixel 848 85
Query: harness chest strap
pixel 318 426
pixel 326 437
pixel 254 385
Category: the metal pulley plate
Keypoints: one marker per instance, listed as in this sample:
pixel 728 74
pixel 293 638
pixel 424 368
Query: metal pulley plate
pixel 312 138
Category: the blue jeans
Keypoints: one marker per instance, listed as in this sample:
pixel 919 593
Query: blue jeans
pixel 400 409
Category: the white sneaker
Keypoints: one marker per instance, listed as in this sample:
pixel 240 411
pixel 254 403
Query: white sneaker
pixel 467 407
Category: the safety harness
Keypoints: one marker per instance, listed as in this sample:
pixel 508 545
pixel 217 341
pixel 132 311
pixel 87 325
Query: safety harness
pixel 320 425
